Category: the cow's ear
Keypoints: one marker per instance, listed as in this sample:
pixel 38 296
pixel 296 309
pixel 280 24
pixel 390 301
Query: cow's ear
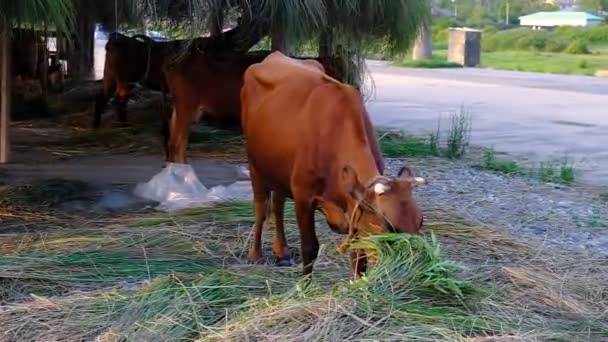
pixel 351 184
pixel 408 174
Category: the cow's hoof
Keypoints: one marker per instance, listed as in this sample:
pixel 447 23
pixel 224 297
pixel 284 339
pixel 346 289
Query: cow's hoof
pixel 283 262
pixel 256 259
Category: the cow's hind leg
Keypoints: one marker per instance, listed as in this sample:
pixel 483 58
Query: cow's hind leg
pixel 102 100
pixel 179 126
pixel 260 206
pixel 280 248
pixel 120 103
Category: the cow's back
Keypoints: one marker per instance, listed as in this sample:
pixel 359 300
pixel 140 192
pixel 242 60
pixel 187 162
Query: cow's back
pixel 298 118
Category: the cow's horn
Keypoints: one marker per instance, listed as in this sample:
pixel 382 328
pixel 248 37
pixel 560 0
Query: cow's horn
pixel 380 188
pixel 419 181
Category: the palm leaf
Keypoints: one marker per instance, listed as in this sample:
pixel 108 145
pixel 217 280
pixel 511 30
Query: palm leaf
pixel 57 13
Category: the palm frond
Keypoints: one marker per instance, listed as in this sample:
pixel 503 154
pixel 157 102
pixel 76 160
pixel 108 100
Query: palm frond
pixel 58 13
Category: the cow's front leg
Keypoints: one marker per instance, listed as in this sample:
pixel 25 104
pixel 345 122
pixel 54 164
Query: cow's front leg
pixel 308 236
pixel 260 204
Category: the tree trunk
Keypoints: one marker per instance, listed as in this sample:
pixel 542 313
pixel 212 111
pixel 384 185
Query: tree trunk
pixel 325 48
pixel 5 105
pixel 423 48
pixel 81 51
pixel 278 40
pixel 44 79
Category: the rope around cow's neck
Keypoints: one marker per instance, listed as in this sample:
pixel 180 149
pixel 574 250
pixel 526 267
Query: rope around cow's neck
pixel 354 217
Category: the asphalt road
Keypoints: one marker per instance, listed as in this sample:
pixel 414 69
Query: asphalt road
pixel 537 116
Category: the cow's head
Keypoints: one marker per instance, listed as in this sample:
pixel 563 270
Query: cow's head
pixel 385 204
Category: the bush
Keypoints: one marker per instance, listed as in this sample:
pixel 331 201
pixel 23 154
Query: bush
pixel 524 39
pixel 596 34
pixel 578 47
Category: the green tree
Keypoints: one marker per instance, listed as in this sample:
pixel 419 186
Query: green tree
pixel 593 5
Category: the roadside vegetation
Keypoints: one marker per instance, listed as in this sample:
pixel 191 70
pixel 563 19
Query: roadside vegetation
pixel 454 145
pixel 555 172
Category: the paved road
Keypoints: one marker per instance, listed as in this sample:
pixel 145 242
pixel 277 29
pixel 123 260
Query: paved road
pixel 538 116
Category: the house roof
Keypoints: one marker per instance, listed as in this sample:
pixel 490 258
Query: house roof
pixel 562 15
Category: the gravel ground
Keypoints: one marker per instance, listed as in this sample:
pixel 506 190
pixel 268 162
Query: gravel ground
pixel 556 216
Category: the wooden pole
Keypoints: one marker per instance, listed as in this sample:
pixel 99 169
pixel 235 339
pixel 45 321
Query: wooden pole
pixel 5 97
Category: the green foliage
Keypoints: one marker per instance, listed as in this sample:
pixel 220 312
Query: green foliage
pixel 593 5
pixel 58 13
pixel 490 162
pixel 546 172
pixel 396 144
pixel 578 47
pixel 557 63
pixel 555 172
pixel 459 134
pixel 524 39
pixel 433 63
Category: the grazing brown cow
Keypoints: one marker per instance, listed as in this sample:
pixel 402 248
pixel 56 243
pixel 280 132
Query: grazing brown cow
pixel 309 138
pixel 129 60
pixel 210 84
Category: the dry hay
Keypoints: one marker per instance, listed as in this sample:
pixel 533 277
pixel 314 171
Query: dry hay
pixel 184 276
pixel 68 134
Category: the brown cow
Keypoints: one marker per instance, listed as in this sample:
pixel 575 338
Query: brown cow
pixel 129 60
pixel 140 59
pixel 309 138
pixel 210 84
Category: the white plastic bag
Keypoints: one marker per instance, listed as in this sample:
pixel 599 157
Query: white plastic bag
pixel 177 187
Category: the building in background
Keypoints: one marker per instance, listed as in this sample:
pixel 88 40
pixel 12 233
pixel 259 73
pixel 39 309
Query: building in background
pixel 548 20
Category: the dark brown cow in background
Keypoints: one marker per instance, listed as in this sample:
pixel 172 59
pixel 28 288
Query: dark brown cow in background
pixel 140 59
pixel 129 60
pixel 210 84
pixel 309 138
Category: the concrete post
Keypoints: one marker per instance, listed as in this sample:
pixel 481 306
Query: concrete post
pixel 464 46
pixel 423 48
